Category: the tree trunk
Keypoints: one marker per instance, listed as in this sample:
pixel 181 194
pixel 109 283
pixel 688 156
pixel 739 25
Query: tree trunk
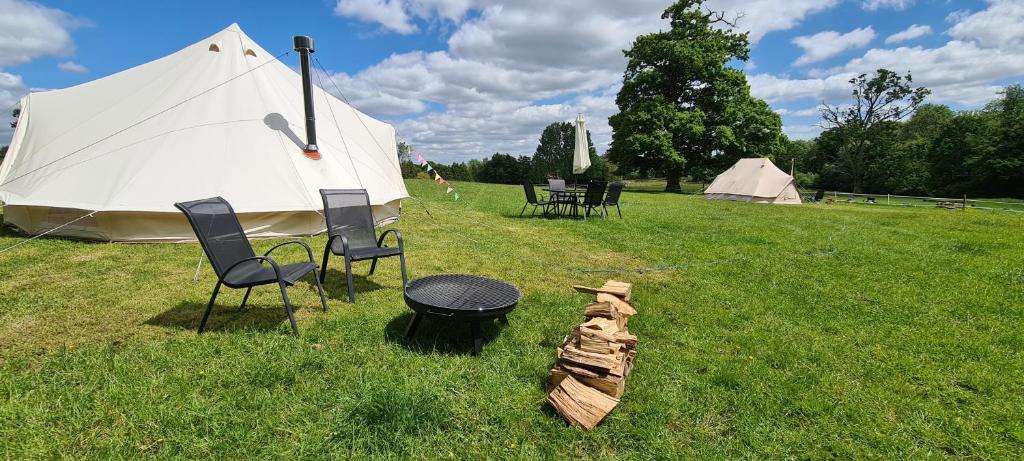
pixel 672 182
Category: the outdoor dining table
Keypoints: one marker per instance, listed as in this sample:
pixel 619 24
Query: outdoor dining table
pixel 576 192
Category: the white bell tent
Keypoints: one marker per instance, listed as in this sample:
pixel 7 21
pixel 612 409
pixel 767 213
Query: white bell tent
pixel 754 180
pixel 220 117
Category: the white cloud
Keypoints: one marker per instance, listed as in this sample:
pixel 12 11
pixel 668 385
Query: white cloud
pixel 390 14
pixel 761 17
pixel 909 33
pixel 73 67
pixel 28 30
pixel 511 68
pixel 872 5
pixel 967 71
pixel 808 112
pixel 824 45
pixel 997 26
pixel 12 88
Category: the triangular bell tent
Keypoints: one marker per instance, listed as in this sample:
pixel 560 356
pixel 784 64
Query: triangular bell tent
pixel 754 180
pixel 220 117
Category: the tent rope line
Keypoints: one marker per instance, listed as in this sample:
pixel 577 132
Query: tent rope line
pixel 173 106
pixel 29 239
pixel 353 109
pixel 337 126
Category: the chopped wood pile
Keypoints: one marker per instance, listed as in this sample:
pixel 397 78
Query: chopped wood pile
pixel 596 358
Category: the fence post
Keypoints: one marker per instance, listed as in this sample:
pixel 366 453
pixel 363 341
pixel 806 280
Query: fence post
pixel 887 198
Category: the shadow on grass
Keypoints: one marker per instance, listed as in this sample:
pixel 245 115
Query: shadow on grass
pixel 440 336
pixel 336 285
pixel 223 318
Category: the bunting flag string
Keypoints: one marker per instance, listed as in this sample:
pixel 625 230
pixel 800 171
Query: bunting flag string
pixel 436 175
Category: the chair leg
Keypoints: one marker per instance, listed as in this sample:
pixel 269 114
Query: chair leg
pixel 373 266
pixel 209 307
pixel 619 210
pixel 524 210
pixel 320 289
pixel 288 308
pixel 323 267
pixel 405 280
pixel 348 275
pixel 245 298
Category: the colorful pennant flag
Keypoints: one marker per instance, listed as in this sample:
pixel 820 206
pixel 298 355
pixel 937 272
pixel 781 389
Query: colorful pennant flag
pixel 436 175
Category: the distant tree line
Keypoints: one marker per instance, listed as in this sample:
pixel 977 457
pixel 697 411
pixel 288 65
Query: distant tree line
pixel 552 159
pixel 935 152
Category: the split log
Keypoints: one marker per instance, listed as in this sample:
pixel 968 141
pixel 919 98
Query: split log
pixel 624 338
pixel 601 323
pixel 580 404
pixel 621 289
pixel 597 341
pixel 610 384
pixel 617 288
pixel 623 307
pixel 601 309
pixel 606 362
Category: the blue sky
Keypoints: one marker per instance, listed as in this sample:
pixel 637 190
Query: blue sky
pixel 462 79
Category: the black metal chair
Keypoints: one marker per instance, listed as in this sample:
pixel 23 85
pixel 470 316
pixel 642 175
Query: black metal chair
pixel 612 198
pixel 531 199
pixel 237 266
pixel 558 196
pixel 593 198
pixel 352 235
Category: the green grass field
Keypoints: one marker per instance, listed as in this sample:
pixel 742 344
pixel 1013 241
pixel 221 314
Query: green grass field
pixel 814 331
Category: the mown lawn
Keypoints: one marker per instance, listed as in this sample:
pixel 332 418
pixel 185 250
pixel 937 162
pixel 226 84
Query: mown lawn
pixel 816 331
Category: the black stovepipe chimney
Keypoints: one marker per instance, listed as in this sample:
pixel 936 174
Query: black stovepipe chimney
pixel 304 45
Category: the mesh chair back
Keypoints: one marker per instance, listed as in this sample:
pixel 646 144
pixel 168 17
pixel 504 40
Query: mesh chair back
pixel 556 185
pixel 531 193
pixel 348 212
pixel 820 194
pixel 614 191
pixel 595 193
pixel 218 231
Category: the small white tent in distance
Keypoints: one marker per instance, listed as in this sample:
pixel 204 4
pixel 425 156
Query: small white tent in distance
pixel 754 180
pixel 220 117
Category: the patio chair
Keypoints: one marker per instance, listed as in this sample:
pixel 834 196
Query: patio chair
pixel 612 198
pixel 237 266
pixel 352 235
pixel 558 195
pixel 594 198
pixel 531 199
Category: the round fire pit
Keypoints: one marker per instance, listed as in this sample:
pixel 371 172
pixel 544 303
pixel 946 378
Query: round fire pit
pixel 462 298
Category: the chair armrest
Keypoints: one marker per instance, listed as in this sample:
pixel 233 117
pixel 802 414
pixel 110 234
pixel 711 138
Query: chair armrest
pixel 309 251
pixel 398 236
pixel 344 243
pixel 273 264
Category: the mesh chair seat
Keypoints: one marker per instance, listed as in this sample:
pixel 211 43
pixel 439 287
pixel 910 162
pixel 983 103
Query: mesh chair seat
pixel 253 273
pixel 237 266
pixel 358 254
pixel 349 215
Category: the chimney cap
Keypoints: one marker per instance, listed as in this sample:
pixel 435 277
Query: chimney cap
pixel 303 42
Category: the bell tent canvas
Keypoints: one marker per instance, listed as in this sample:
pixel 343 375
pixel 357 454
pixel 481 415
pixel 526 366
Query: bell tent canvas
pixel 754 180
pixel 220 117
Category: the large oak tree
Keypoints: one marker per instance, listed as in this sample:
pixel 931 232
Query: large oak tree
pixel 683 109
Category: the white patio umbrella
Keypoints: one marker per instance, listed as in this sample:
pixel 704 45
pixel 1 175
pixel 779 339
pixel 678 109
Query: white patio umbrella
pixel 581 158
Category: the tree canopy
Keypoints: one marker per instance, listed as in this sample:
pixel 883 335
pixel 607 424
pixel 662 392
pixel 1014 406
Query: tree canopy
pixel 683 109
pixel 936 151
pixel 878 101
pixel 555 153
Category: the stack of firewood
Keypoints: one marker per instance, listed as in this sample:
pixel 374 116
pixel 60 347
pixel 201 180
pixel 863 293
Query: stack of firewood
pixel 595 359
